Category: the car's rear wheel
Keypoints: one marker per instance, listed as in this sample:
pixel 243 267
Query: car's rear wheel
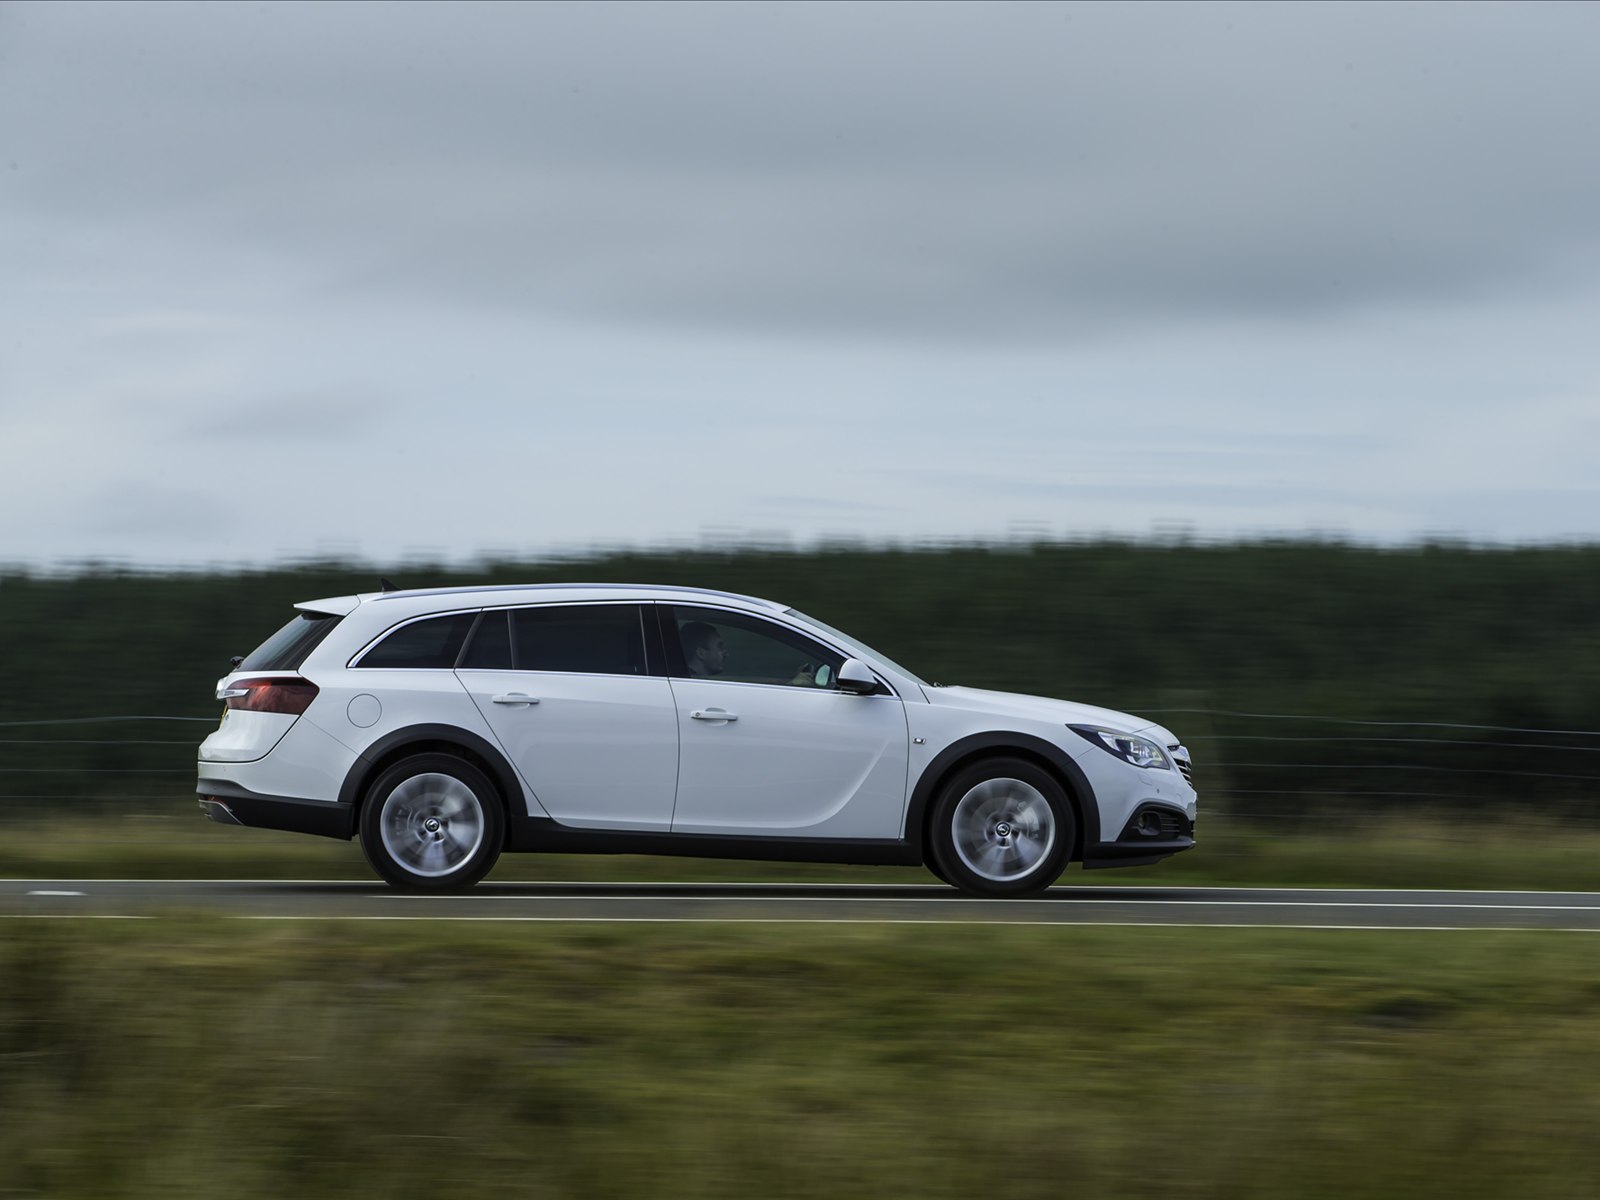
pixel 1002 827
pixel 432 822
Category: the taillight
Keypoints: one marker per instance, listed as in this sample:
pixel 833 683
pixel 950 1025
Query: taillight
pixel 290 696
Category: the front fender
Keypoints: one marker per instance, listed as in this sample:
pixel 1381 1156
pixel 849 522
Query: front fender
pixel 993 744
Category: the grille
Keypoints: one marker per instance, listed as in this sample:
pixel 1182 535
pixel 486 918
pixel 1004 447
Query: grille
pixel 1184 765
pixel 1172 825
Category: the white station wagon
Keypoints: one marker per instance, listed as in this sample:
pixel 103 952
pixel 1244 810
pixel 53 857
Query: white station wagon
pixel 443 727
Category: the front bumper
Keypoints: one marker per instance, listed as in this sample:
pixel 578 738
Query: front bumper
pixel 1152 833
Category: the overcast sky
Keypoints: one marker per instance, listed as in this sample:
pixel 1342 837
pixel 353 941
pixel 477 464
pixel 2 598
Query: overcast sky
pixel 383 280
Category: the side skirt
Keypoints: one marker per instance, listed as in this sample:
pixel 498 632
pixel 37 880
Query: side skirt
pixel 543 835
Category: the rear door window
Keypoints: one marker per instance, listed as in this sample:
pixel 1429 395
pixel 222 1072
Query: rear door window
pixel 594 639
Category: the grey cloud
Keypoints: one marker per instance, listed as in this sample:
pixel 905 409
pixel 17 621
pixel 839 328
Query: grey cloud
pixel 1082 265
pixel 131 510
pixel 1203 494
pixel 1032 173
pixel 820 506
pixel 285 419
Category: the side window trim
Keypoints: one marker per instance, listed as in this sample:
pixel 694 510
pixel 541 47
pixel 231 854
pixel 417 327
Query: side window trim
pixel 466 642
pixel 672 664
pixel 485 616
pixel 655 645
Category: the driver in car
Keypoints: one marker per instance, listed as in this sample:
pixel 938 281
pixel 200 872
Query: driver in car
pixel 706 655
pixel 703 649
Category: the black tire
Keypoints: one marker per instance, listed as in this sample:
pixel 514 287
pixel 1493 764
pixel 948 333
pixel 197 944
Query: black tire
pixel 432 822
pixel 1002 827
pixel 936 871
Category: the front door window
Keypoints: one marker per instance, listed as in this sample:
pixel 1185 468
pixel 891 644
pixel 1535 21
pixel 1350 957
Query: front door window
pixel 715 644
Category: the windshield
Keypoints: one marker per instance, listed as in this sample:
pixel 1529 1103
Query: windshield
pixel 858 649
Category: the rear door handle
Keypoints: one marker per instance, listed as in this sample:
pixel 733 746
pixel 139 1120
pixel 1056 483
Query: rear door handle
pixel 713 714
pixel 516 698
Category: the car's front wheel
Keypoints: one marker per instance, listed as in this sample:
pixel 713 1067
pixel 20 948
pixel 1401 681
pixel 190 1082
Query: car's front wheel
pixel 432 822
pixel 1002 827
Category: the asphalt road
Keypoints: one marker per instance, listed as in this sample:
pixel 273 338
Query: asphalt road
pixel 874 903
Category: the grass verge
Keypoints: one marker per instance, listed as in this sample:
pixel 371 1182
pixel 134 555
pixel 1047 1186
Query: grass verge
pixel 262 1059
pixel 1411 852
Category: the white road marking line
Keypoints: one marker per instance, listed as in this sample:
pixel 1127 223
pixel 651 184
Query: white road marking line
pixel 993 904
pixel 74 917
pixel 45 892
pixel 97 879
pixel 931 921
pixel 713 920
pixel 1059 890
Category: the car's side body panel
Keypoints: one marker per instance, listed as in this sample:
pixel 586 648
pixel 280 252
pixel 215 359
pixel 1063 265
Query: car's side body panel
pixel 597 751
pixel 643 763
pixel 808 763
pixel 307 763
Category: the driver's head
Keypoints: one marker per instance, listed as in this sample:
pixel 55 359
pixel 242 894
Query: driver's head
pixel 703 649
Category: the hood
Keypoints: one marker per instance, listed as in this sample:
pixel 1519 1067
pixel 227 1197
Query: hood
pixel 1043 708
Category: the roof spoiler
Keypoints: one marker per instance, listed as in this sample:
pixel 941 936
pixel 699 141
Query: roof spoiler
pixel 333 606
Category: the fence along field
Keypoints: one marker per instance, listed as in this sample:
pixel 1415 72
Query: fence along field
pixel 1313 681
pixel 142 773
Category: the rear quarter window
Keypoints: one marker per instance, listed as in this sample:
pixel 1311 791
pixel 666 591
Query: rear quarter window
pixel 422 645
pixel 288 648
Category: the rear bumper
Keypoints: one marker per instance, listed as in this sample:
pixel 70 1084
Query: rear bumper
pixel 230 804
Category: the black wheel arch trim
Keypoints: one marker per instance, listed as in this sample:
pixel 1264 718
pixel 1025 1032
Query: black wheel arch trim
pixel 991 745
pixel 422 738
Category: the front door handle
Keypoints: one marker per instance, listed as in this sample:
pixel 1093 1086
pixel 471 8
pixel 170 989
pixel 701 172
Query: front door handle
pixel 713 714
pixel 516 698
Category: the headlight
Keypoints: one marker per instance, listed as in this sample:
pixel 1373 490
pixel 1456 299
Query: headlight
pixel 1129 747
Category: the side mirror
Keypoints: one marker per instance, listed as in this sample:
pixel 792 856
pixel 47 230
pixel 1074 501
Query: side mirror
pixel 856 679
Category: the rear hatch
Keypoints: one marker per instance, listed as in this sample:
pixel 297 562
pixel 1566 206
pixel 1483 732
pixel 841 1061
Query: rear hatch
pixel 264 695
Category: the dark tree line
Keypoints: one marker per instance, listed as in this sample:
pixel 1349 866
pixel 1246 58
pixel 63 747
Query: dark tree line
pixel 1418 643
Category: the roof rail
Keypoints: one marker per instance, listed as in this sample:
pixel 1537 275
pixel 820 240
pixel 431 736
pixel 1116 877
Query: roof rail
pixel 556 587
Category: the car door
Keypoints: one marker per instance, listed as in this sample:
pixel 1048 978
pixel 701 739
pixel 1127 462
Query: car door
pixel 767 745
pixel 568 691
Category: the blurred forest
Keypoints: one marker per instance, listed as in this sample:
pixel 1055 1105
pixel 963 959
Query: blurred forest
pixel 1310 679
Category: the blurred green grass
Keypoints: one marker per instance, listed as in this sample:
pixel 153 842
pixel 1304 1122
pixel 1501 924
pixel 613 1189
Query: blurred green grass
pixel 1417 850
pixel 202 1057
